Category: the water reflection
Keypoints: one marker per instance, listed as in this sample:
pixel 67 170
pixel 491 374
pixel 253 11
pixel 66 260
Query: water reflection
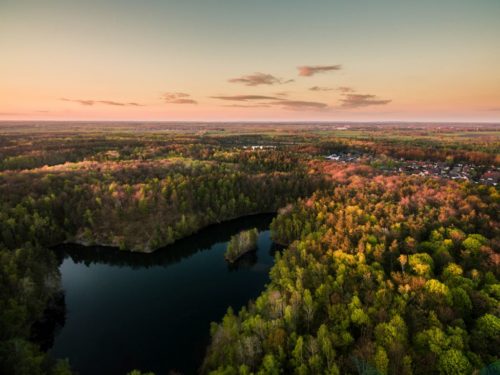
pixel 153 311
pixel 43 332
pixel 181 249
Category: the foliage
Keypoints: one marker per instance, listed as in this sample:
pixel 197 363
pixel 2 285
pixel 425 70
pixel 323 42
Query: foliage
pixel 399 273
pixel 383 273
pixel 241 243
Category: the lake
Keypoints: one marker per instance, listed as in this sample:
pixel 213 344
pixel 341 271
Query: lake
pixel 152 312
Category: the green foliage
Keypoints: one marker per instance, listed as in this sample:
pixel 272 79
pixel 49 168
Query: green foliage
pixel 240 244
pixel 453 362
pixel 124 202
pixel 381 360
pixel 382 274
pixel 421 264
pixel 375 280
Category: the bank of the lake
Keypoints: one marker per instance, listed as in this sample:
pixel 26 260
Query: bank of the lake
pixel 153 311
pixel 143 245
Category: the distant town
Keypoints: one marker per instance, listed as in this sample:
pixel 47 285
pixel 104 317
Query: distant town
pixel 488 175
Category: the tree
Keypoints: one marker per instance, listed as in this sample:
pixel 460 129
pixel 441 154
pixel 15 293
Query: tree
pixel 403 259
pixel 381 360
pixel 453 362
pixel 240 244
pixel 308 308
pixel 486 337
pixel 421 264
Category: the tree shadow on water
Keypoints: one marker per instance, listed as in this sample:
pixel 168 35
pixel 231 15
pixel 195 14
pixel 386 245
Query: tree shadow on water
pixel 183 248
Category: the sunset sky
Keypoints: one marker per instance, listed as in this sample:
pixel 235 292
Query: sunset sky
pixel 355 60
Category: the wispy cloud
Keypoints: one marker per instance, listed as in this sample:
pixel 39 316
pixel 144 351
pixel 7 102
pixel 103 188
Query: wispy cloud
pixel 178 98
pixel 300 105
pixel 319 88
pixel 345 89
pixel 11 114
pixel 342 89
pixel 308 70
pixel 257 79
pixel 258 105
pixel 245 98
pixel 90 102
pixel 266 101
pixel 111 102
pixel 282 93
pixel 361 100
pixel 80 101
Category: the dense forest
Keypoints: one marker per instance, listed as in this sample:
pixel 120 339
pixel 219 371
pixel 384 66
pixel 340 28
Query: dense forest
pixel 135 199
pixel 382 272
pixel 388 275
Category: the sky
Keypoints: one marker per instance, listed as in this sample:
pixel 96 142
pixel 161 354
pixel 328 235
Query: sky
pixel 253 60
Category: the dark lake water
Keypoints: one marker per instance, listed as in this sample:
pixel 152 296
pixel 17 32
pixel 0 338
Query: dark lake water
pixel 152 312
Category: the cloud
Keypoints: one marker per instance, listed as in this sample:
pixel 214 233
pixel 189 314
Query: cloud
pixel 178 98
pixel 300 105
pixel 361 100
pixel 12 114
pixel 111 102
pixel 281 93
pixel 342 89
pixel 319 88
pixel 308 71
pixel 259 79
pixel 89 102
pixel 259 105
pixel 264 101
pixel 244 98
pixel 345 89
pixel 81 101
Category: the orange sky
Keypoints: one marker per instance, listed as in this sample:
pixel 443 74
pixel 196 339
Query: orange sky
pixel 284 60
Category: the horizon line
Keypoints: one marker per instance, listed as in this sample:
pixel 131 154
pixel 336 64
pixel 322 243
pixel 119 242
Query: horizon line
pixel 492 122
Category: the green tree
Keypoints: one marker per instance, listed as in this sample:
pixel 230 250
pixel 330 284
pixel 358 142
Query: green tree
pixel 453 362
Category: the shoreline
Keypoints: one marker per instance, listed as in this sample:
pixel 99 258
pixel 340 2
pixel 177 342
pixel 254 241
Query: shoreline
pixel 146 250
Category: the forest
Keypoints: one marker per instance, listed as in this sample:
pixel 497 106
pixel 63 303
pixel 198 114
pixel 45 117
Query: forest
pixel 382 275
pixel 382 271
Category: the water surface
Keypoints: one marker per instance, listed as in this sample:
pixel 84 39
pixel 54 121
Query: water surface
pixel 153 311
